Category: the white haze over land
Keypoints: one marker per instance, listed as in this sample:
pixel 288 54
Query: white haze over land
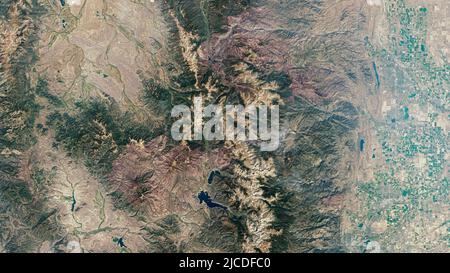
pixel 374 2
pixel 73 2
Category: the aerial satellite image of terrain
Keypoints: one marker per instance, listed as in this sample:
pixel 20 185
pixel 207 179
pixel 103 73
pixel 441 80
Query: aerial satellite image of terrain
pixel 106 124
